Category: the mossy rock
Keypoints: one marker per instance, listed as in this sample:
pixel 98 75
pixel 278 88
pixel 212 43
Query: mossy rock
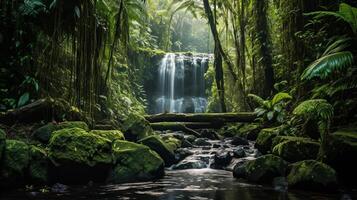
pixel 265 139
pixel 295 149
pixel 172 142
pixel 14 164
pixel 312 175
pixel 341 154
pixel 109 134
pixel 75 145
pixel 261 170
pixel 38 166
pixel 135 162
pixel 249 131
pixel 43 134
pixel 136 127
pixel 155 143
pixel 2 143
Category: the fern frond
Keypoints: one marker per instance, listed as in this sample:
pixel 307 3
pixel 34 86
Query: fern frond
pixel 257 99
pixel 280 97
pixel 318 109
pixel 326 65
pixel 32 7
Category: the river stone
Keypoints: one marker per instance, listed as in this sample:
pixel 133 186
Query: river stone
pixel 295 149
pixel 43 134
pixel 38 167
pixel 261 170
pixel 239 153
pixel 136 127
pixel 135 162
pixel 341 154
pixel 14 164
pixel 312 175
pixel 249 131
pixel 201 142
pixel 155 143
pixel 78 155
pixel 109 134
pixel 190 164
pixel 191 138
pixel 239 141
pixel 265 139
pixel 2 142
pixel 209 133
pixel 181 154
pixel 221 160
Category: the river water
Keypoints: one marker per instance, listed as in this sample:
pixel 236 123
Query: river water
pixel 199 182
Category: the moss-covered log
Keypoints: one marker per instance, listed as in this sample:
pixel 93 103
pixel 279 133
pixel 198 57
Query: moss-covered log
pixel 187 127
pixel 202 117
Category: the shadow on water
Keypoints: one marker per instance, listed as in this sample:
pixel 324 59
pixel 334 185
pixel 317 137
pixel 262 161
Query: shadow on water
pixel 193 184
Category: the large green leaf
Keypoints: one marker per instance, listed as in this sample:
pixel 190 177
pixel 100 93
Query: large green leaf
pixel 23 99
pixel 280 97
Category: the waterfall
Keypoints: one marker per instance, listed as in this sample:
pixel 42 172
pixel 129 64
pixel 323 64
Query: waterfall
pixel 181 83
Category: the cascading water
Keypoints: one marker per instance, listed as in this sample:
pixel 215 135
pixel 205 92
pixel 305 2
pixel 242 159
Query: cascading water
pixel 182 83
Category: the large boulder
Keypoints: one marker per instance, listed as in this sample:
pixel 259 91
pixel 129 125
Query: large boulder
pixel 172 142
pixel 38 166
pixel 136 127
pixel 265 139
pixel 43 134
pixel 261 170
pixel 77 155
pixel 295 149
pixel 2 142
pixel 109 134
pixel 135 162
pixel 14 164
pixel 155 143
pixel 341 154
pixel 312 175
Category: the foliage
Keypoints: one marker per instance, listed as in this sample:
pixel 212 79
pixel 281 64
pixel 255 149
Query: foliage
pixel 317 109
pixel 272 109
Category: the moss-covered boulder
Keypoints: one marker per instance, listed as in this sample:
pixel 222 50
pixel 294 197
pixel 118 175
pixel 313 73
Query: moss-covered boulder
pixel 135 162
pixel 172 142
pixel 109 134
pixel 14 164
pixel 295 149
pixel 38 166
pixel 262 170
pixel 249 131
pixel 78 155
pixel 43 134
pixel 2 142
pixel 136 127
pixel 312 175
pixel 265 139
pixel 341 154
pixel 155 143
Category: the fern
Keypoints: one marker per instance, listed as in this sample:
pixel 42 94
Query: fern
pixel 258 100
pixel 32 7
pixel 317 109
pixel 280 97
pixel 331 89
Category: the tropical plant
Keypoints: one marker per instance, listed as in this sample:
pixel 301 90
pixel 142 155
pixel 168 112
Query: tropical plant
pixel 273 109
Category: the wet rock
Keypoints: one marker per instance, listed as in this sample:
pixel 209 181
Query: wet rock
pixel 265 139
pixel 312 175
pixel 190 164
pixel 14 164
pixel 201 142
pixel 239 141
pixel 59 188
pixel 172 142
pixel 109 134
pixel 181 154
pixel 210 134
pixel 155 143
pixel 280 184
pixel 239 153
pixel 191 138
pixel 216 146
pixel 186 144
pixel 77 156
pixel 221 160
pixel 134 162
pixel 261 170
pixel 295 149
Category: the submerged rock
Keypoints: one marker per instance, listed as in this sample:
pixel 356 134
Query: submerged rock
pixel 190 164
pixel 155 143
pixel 295 149
pixel 262 170
pixel 109 134
pixel 312 175
pixel 14 164
pixel 265 139
pixel 135 162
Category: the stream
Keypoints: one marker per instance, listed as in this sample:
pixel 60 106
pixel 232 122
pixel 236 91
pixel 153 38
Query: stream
pixel 191 179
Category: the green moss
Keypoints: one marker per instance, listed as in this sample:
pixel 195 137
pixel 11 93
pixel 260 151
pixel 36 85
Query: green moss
pixel 265 138
pixel 296 148
pixel 172 143
pixel 263 169
pixel 135 162
pixel 73 124
pixel 15 162
pixel 75 145
pixel 38 167
pixel 249 131
pixel 136 127
pixel 312 175
pixel 109 134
